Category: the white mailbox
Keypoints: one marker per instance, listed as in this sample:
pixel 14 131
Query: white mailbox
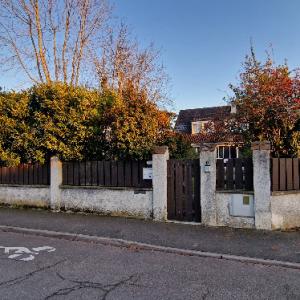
pixel 242 205
pixel 147 173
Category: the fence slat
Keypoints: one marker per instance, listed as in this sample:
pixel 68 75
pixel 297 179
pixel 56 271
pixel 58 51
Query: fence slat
pixel 25 169
pixel 239 180
pixel 39 174
pixel 296 172
pixel 141 181
pixel 107 173
pixel 35 174
pixel 121 174
pixel 248 165
pixel 30 174
pixel 82 173
pixel 5 175
pixel 282 174
pixel 189 197
pixel 13 171
pixel 94 172
pixel 178 190
pixel 184 190
pixel 46 174
pixel 289 174
pixel 135 173
pixel 128 181
pixel 21 174
pixel 65 173
pixel 171 190
pixel 114 174
pixel 220 174
pixel 196 187
pixel 88 173
pixel 76 173
pixel 275 174
pixel 100 171
pixel 229 175
pixel 70 173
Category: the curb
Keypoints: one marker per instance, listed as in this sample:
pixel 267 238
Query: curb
pixel 143 246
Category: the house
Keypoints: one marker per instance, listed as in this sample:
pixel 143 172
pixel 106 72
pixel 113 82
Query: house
pixel 194 123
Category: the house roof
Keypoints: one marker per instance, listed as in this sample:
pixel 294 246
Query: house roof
pixel 226 139
pixel 187 116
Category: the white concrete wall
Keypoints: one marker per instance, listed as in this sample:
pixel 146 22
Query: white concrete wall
pixel 224 218
pixel 208 184
pixel 262 184
pixel 109 201
pixel 285 209
pixel 56 181
pixel 37 196
pixel 160 183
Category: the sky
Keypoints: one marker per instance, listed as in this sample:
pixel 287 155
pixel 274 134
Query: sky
pixel 203 43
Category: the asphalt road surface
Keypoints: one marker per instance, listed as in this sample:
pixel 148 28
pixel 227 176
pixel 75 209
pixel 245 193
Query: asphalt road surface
pixel 45 268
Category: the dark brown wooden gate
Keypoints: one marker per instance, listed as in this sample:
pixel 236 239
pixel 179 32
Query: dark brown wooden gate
pixel 184 190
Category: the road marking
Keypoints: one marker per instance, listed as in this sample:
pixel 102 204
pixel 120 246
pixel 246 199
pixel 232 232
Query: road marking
pixel 25 254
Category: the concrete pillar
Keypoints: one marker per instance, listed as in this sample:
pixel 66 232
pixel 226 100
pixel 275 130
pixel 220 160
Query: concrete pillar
pixel 56 181
pixel 208 156
pixel 262 185
pixel 160 192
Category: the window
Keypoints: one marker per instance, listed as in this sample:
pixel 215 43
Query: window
pixel 227 152
pixel 198 126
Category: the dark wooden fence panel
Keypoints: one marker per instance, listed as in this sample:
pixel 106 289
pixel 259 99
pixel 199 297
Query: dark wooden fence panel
pixel 282 173
pixel 248 174
pixel 229 174
pixel 26 174
pixel 106 173
pixel 285 174
pixel 234 174
pixel 184 190
pixel 296 175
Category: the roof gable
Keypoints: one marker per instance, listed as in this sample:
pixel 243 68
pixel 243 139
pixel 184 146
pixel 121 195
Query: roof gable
pixel 187 116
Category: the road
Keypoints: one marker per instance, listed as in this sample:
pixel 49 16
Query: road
pixel 47 268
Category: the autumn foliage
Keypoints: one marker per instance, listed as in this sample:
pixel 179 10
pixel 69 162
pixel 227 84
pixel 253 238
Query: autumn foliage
pixel 78 123
pixel 267 100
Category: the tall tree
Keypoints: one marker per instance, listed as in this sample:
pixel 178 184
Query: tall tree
pixel 268 103
pixel 129 125
pixel 78 123
pixel 16 137
pixel 61 118
pixel 76 42
pixel 121 64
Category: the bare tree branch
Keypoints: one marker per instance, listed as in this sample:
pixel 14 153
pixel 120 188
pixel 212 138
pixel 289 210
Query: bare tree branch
pixel 51 36
pixel 63 39
pixel 41 49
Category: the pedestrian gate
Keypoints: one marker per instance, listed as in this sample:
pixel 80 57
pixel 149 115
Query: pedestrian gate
pixel 184 190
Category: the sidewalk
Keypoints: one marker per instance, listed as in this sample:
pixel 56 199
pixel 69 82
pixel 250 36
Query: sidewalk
pixel 283 246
